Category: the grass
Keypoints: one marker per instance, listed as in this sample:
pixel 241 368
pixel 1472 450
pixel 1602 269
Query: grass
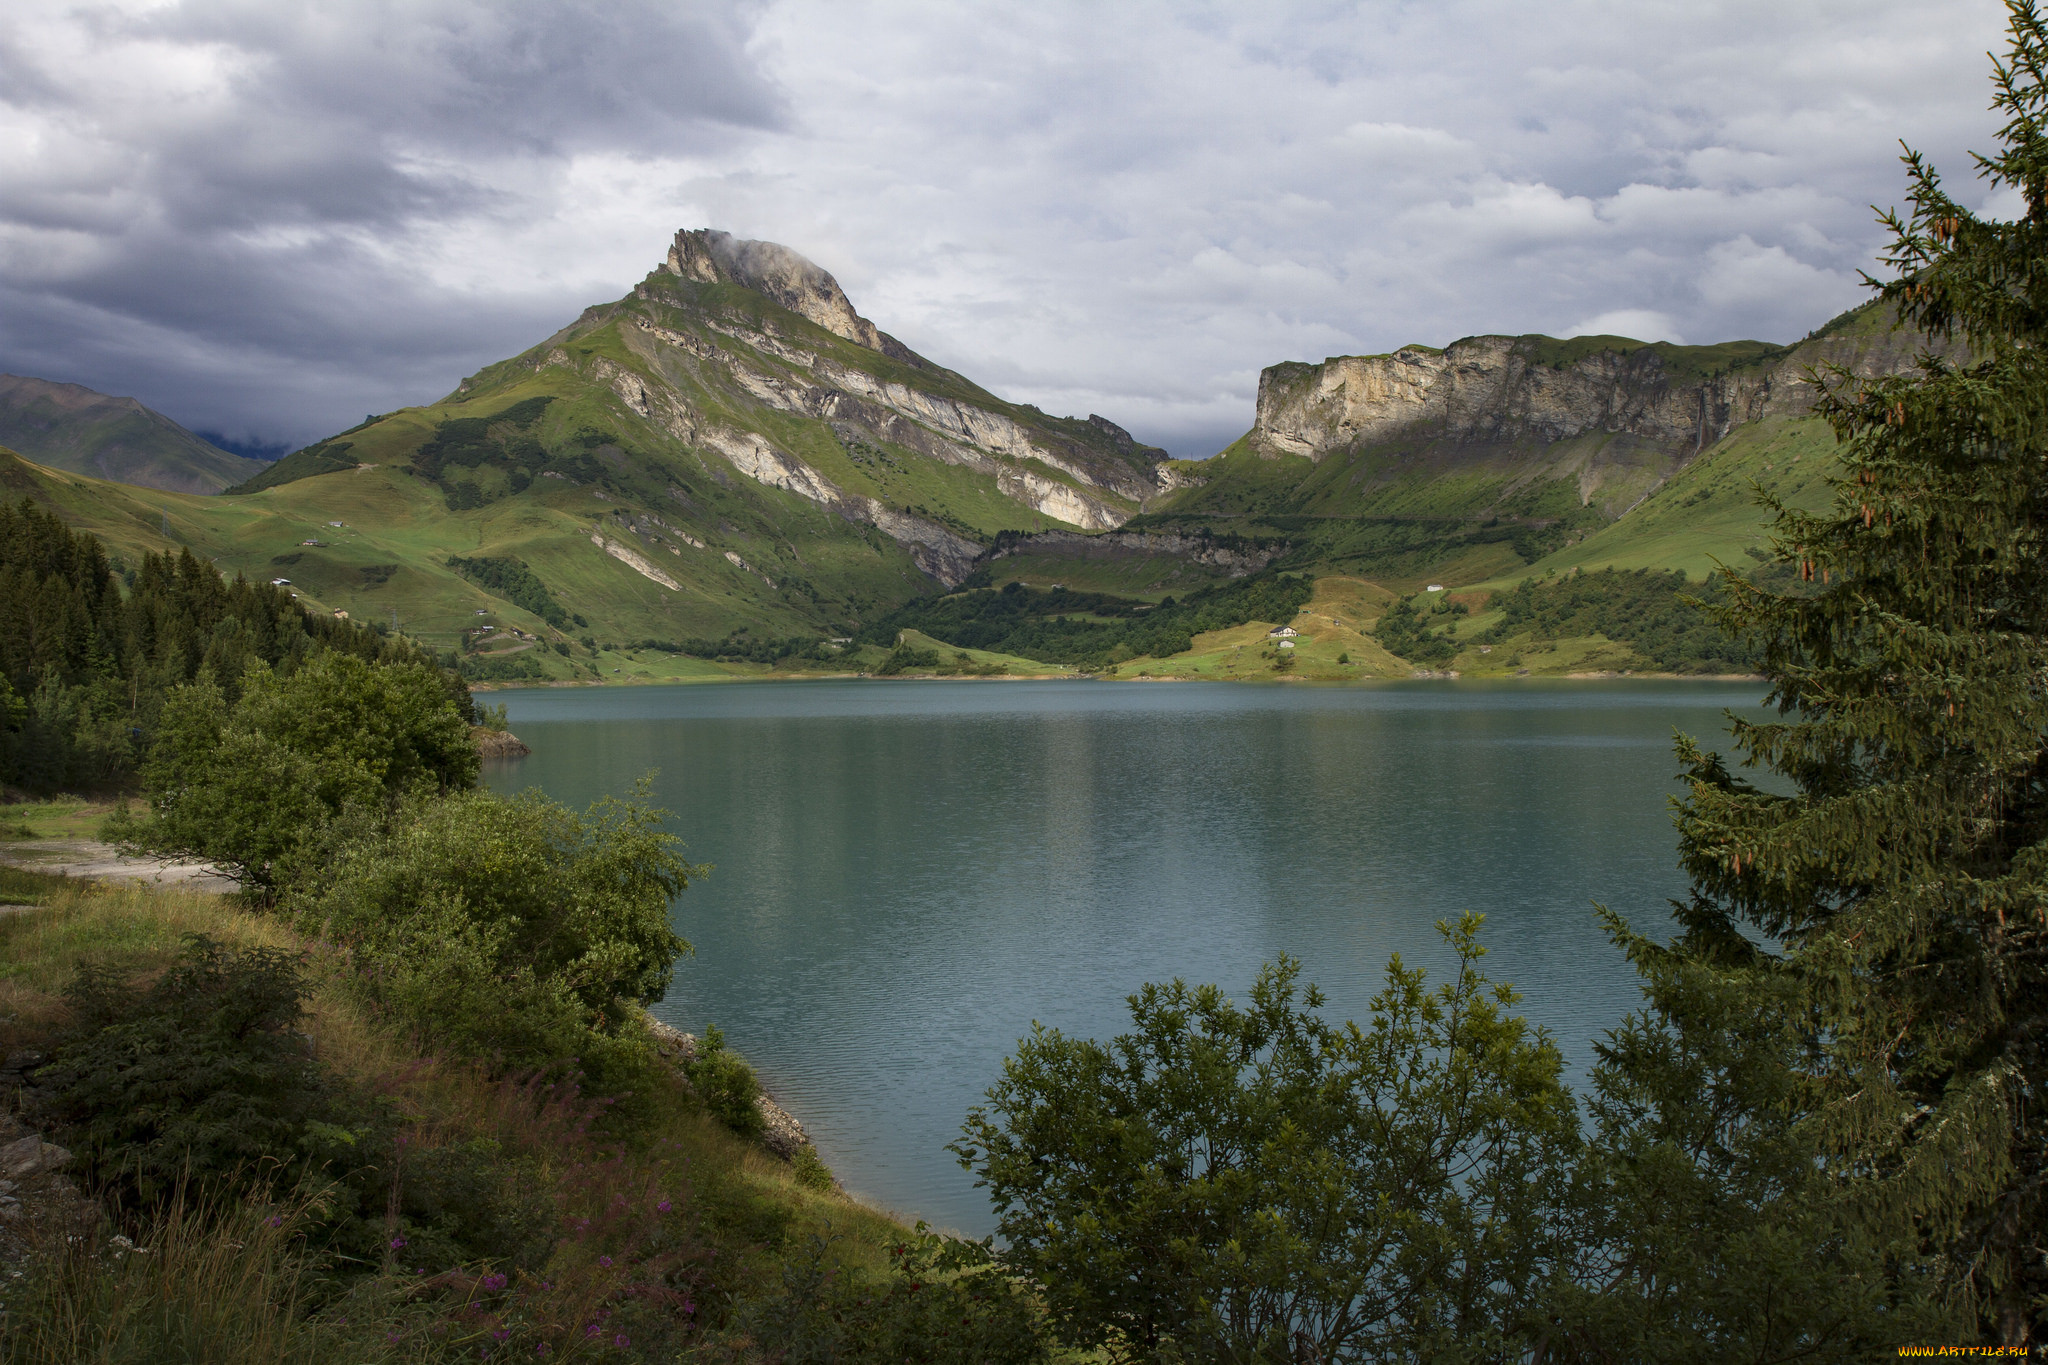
pixel 224 1283
pixel 64 817
pixel 1336 623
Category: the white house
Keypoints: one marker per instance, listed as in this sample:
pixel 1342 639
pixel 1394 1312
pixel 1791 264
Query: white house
pixel 279 582
pixel 1282 633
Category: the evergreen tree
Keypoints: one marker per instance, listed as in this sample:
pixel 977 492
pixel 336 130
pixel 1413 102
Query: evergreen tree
pixel 1889 891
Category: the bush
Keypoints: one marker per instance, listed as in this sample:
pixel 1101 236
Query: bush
pixel 201 1077
pixel 726 1084
pixel 515 928
pixel 1229 1183
pixel 249 786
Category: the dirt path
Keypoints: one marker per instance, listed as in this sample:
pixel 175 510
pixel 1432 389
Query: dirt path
pixel 89 858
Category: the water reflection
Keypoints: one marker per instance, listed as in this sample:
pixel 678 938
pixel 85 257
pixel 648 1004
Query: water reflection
pixel 907 875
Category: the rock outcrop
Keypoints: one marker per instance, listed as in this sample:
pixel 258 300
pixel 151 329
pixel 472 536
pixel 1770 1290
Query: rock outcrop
pixel 1613 415
pixel 780 1131
pixel 713 257
pixel 498 743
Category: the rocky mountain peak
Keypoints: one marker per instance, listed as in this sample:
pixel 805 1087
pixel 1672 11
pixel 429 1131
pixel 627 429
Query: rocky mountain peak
pixel 803 287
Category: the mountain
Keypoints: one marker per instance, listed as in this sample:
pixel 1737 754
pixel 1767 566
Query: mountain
pixel 729 447
pixel 68 426
pixel 1483 457
pixel 731 460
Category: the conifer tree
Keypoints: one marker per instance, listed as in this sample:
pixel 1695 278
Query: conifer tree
pixel 1894 901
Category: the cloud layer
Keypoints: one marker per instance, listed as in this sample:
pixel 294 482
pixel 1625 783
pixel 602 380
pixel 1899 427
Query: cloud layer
pixel 267 222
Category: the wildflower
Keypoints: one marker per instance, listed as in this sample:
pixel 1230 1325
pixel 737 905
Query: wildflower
pixel 494 1282
pixel 622 1341
pixel 663 1207
pixel 605 1261
pixel 276 1221
pixel 397 1242
pixel 502 1334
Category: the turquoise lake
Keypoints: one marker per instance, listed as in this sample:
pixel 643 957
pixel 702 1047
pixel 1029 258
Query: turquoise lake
pixel 908 874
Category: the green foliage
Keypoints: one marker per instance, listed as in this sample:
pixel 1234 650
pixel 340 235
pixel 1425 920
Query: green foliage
pixel 743 647
pixel 513 929
pixel 1661 616
pixel 908 659
pixel 1257 1184
pixel 252 784
pixel 1709 1231
pixel 725 1083
pixel 201 1085
pixel 1888 886
pixel 201 1077
pixel 1406 632
pixel 502 440
pixel 514 581
pixel 943 1302
pixel 86 669
pixel 1087 628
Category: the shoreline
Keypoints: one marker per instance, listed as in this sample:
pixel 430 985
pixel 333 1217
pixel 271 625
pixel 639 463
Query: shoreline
pixel 543 684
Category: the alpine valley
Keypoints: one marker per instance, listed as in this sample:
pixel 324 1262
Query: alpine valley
pixel 730 471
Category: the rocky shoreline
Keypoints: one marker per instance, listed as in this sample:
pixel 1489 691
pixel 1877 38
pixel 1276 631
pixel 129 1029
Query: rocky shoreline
pixel 781 1133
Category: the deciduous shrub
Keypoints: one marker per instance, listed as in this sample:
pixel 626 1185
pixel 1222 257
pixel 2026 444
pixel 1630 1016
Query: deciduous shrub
pixel 514 928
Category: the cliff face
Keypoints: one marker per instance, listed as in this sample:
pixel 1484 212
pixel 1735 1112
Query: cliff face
pixel 1603 411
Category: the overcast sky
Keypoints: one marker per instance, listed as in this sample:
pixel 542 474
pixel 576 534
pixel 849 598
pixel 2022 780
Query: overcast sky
pixel 267 220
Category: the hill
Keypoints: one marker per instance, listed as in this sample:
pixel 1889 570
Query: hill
pixel 729 447
pixel 73 428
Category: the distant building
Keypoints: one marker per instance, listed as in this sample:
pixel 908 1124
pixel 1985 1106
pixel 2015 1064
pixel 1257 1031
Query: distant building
pixel 341 614
pixel 1435 587
pixel 1282 633
pixel 280 582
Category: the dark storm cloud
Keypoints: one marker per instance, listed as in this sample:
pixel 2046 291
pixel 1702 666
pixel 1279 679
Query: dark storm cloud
pixel 268 222
pixel 241 211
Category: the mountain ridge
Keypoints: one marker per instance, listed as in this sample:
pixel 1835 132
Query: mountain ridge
pixel 69 426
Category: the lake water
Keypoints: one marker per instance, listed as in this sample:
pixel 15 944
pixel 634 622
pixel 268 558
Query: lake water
pixel 907 874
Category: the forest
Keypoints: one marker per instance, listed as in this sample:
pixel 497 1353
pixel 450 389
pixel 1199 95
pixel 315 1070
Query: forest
pixel 1055 625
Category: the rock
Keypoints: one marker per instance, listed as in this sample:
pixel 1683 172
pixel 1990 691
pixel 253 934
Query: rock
pixel 780 1132
pixel 498 743
pixel 673 1043
pixel 28 1157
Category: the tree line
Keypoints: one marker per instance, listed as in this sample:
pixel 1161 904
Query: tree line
pixel 1090 629
pixel 90 651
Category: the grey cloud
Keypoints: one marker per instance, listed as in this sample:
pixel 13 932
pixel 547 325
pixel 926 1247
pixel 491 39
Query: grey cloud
pixel 236 209
pixel 1123 209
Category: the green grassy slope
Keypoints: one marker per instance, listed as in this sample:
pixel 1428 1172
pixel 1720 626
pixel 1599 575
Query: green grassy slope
pixel 70 427
pixel 1708 514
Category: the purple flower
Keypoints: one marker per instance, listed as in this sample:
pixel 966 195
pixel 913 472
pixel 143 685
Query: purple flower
pixel 605 1261
pixel 397 1242
pixel 276 1221
pixel 589 1331
pixel 502 1334
pixel 541 1349
pixel 663 1207
pixel 689 1306
pixel 494 1282
pixel 622 1341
